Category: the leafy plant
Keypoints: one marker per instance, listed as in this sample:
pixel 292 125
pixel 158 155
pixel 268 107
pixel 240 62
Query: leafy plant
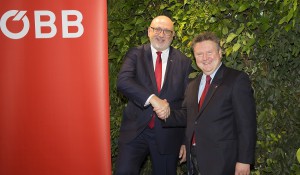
pixel 259 37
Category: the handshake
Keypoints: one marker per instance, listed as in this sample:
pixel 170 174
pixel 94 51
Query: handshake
pixel 160 107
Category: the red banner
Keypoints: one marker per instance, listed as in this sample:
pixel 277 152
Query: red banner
pixel 54 97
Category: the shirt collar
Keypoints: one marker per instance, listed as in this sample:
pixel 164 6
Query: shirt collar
pixel 213 74
pixel 164 53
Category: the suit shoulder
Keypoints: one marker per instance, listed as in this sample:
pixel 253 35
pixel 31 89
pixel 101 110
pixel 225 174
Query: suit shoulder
pixel 137 52
pixel 234 74
pixel 179 54
pixel 140 48
pixel 194 81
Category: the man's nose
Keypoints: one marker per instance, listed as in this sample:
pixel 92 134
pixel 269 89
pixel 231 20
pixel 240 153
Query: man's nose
pixel 162 34
pixel 205 57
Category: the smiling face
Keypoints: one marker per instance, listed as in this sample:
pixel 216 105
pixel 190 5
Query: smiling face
pixel 157 35
pixel 208 56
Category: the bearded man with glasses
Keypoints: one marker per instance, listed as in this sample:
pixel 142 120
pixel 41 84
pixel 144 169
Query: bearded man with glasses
pixel 153 77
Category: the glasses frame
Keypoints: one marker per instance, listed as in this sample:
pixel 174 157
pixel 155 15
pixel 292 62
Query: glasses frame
pixel 158 30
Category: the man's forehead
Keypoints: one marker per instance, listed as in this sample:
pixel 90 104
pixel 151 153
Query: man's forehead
pixel 162 23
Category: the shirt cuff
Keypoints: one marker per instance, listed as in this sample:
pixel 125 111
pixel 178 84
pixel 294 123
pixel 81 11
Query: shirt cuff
pixel 148 100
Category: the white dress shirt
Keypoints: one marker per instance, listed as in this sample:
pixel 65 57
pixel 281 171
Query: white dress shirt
pixel 164 59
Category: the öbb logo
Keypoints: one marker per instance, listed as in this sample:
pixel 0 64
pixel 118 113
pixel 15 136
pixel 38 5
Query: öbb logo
pixel 39 24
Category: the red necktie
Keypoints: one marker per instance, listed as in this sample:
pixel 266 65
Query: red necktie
pixel 158 73
pixel 207 84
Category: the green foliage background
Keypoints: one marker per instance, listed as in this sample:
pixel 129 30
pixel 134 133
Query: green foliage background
pixel 261 37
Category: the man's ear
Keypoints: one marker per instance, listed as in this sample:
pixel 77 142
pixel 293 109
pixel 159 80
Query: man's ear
pixel 220 53
pixel 148 31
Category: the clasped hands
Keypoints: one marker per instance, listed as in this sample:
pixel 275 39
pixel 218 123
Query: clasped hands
pixel 160 107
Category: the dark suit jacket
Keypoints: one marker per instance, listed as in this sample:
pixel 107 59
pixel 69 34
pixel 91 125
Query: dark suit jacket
pixel 136 80
pixel 225 126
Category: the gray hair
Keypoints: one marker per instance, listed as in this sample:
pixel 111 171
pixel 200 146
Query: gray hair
pixel 206 36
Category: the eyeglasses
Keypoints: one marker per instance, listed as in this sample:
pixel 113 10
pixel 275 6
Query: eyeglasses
pixel 159 30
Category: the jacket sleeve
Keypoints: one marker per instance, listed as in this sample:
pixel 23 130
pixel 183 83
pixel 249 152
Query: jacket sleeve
pixel 127 82
pixel 245 117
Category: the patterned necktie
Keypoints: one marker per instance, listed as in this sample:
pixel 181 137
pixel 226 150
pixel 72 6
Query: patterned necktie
pixel 207 84
pixel 158 74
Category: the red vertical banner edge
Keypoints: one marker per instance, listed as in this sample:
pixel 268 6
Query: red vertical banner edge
pixel 104 91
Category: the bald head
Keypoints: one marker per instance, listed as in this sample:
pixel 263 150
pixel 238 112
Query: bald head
pixel 161 32
pixel 164 21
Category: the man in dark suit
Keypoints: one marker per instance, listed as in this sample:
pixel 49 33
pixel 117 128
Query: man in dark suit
pixel 221 132
pixel 141 132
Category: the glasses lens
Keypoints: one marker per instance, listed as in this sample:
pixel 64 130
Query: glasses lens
pixel 157 30
pixel 168 32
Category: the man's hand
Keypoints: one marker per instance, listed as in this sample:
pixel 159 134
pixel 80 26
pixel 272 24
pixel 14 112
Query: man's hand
pixel 160 107
pixel 242 169
pixel 182 154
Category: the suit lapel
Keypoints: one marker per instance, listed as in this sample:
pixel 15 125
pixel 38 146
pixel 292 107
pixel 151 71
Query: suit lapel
pixel 169 69
pixel 150 67
pixel 215 84
pixel 195 90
